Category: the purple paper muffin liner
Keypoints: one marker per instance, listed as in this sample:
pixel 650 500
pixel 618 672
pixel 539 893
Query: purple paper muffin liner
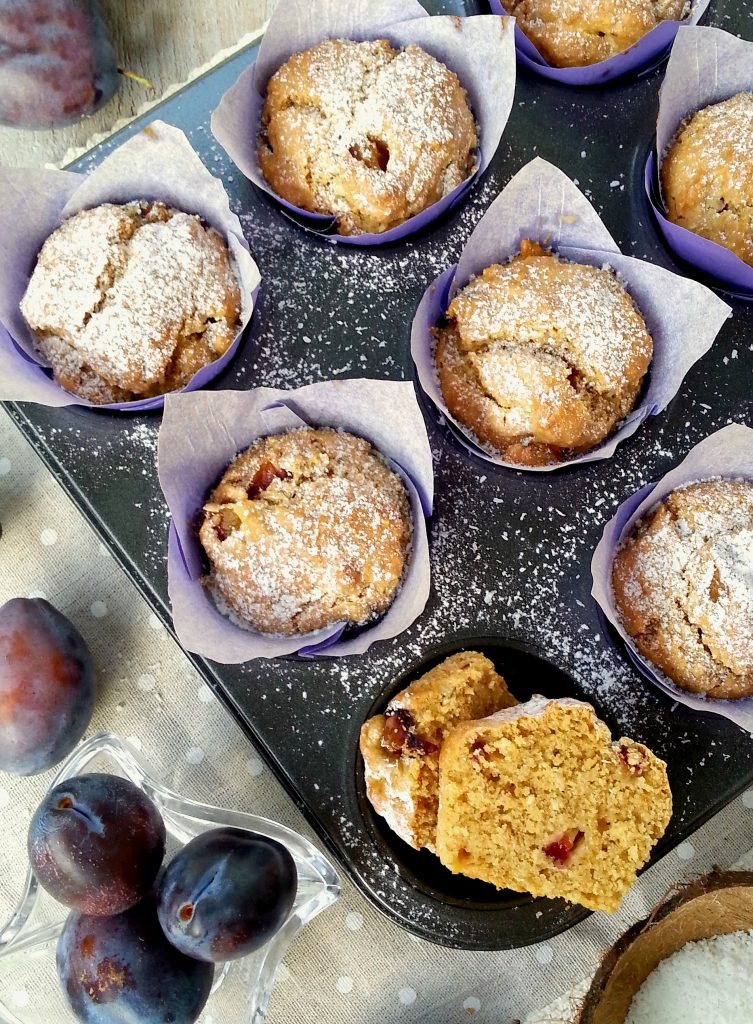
pixel 707 66
pixel 641 57
pixel 542 204
pixel 157 164
pixel 728 453
pixel 480 50
pixel 202 433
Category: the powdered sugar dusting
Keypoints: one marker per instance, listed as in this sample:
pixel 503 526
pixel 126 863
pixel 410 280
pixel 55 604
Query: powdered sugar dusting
pixel 118 290
pixel 307 529
pixel 684 582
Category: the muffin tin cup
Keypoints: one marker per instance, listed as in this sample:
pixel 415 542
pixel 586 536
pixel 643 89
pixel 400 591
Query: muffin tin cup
pixel 489 918
pixel 707 66
pixel 638 59
pixel 157 164
pixel 728 453
pixel 199 437
pixel 542 204
pixel 479 49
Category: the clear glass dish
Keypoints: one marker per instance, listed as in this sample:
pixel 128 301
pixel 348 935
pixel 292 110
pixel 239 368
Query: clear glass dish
pixel 29 988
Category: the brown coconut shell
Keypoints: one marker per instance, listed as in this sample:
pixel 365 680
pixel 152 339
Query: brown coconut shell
pixel 717 904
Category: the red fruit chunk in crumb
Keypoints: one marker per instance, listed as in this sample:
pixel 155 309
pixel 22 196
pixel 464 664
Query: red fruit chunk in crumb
pixel 561 849
pixel 264 476
pixel 633 759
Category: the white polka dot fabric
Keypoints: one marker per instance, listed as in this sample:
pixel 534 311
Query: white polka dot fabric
pixel 351 965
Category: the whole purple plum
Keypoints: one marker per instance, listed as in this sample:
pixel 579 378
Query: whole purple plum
pixel 96 843
pixel 226 893
pixel 57 64
pixel 47 687
pixel 122 970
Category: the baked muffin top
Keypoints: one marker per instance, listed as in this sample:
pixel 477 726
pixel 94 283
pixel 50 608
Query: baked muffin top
pixel 304 530
pixel 130 301
pixel 574 33
pixel 541 358
pixel 707 175
pixel 365 132
pixel 683 585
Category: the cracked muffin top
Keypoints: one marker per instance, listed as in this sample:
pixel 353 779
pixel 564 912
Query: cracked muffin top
pixel 127 302
pixel 575 33
pixel 304 530
pixel 683 586
pixel 365 132
pixel 707 175
pixel 541 359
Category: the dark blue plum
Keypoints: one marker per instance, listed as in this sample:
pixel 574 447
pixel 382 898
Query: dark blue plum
pixel 57 64
pixel 96 843
pixel 47 687
pixel 226 893
pixel 122 970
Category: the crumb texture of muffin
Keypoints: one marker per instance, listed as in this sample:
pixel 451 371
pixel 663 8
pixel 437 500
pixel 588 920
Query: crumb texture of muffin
pixel 683 587
pixel 541 359
pixel 365 132
pixel 401 747
pixel 304 530
pixel 575 33
pixel 707 175
pixel 537 798
pixel 127 302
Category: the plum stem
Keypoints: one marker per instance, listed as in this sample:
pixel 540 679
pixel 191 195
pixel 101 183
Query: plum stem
pixel 136 78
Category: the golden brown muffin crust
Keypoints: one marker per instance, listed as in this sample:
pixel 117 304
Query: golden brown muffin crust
pixel 683 586
pixel 304 530
pixel 130 301
pixel 367 133
pixel 541 359
pixel 400 748
pixel 538 798
pixel 575 33
pixel 707 175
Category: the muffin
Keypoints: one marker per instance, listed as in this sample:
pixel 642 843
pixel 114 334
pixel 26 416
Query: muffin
pixel 128 302
pixel 683 587
pixel 707 175
pixel 574 33
pixel 541 359
pixel 305 530
pixel 401 747
pixel 367 133
pixel 537 798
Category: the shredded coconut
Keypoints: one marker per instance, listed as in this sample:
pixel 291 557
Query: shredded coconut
pixel 704 982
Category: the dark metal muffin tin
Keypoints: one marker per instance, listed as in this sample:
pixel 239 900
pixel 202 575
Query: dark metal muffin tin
pixel 510 551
